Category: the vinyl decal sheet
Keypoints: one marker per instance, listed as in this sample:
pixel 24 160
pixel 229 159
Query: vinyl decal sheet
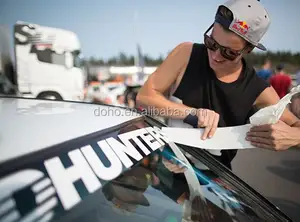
pixel 227 138
pixel 224 138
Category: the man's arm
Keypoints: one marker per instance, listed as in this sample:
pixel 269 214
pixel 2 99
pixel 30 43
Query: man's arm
pixel 279 136
pixel 270 97
pixel 151 95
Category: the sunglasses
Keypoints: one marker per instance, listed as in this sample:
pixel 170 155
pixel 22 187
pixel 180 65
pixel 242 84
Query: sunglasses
pixel 226 52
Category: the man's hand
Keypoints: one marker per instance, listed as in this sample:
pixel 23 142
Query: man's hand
pixel 279 136
pixel 209 120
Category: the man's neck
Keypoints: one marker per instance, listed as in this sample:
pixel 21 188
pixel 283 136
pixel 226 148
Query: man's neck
pixel 230 75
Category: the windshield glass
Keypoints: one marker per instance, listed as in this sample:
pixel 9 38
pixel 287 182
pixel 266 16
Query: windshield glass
pixel 77 59
pixel 126 174
pixel 153 189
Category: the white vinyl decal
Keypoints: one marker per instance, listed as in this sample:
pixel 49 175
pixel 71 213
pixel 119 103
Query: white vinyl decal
pixel 39 192
pixel 224 138
pixel 63 179
pixel 105 173
pixel 227 138
pixel 86 166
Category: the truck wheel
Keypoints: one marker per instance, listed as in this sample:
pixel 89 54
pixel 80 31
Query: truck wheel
pixel 49 96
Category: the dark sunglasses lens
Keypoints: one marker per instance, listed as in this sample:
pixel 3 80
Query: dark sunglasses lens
pixel 210 43
pixel 229 54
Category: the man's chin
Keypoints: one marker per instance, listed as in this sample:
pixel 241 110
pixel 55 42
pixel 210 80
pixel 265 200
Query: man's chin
pixel 215 66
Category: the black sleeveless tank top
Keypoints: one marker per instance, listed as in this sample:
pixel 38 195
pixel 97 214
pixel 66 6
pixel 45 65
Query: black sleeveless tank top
pixel 200 88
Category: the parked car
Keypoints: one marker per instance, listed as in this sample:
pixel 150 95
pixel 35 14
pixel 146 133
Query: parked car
pixel 74 161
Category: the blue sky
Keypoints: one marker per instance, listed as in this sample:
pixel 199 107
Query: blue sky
pixel 107 27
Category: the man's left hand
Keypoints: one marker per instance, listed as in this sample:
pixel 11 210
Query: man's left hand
pixel 279 136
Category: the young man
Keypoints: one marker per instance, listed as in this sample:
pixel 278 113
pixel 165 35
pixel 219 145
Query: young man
pixel 215 83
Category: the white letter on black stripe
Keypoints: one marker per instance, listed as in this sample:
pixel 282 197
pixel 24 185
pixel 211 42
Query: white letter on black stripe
pixel 105 173
pixel 63 178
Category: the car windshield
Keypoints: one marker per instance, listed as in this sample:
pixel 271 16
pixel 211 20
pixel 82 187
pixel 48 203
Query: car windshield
pixel 149 191
pixel 130 173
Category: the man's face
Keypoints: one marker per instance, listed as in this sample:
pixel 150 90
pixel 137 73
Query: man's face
pixel 227 39
pixel 268 65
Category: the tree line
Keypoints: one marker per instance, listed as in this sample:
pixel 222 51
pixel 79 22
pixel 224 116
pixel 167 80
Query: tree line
pixel 291 60
pixel 123 60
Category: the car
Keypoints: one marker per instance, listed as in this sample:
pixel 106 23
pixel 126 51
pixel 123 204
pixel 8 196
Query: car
pixel 76 161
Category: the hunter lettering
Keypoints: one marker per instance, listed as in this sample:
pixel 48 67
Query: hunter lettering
pixel 63 179
pixel 151 142
pixel 88 167
pixel 125 137
pixel 158 135
pixel 105 173
pixel 121 150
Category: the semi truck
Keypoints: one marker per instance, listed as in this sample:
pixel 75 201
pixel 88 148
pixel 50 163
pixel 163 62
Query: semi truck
pixel 46 63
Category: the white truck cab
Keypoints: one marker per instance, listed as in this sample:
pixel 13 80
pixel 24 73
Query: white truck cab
pixel 47 62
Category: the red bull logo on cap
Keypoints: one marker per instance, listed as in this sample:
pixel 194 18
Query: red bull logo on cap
pixel 241 26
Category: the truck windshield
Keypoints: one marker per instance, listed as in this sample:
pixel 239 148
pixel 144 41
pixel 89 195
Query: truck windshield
pixel 63 59
pixel 49 56
pixel 77 61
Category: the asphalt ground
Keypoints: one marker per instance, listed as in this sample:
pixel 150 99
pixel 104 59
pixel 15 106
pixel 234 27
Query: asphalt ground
pixel 275 175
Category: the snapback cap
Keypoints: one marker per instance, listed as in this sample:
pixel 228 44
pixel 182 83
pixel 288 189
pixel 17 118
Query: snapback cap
pixel 250 20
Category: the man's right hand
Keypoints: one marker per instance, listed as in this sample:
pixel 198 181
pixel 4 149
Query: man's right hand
pixel 209 120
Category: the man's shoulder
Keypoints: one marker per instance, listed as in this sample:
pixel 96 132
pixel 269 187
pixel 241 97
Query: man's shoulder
pixel 194 50
pixel 189 52
pixel 189 47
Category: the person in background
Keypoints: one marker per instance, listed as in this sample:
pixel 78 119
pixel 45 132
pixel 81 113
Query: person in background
pixel 120 100
pixel 97 93
pixel 131 101
pixel 281 81
pixel 266 71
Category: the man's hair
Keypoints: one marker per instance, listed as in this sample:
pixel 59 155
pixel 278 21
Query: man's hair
pixel 280 67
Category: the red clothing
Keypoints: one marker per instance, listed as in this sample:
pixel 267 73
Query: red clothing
pixel 281 83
